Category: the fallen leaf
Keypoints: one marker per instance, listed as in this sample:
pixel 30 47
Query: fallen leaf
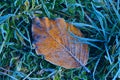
pixel 52 39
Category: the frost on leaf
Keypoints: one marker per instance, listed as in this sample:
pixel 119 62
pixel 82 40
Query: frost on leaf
pixel 52 39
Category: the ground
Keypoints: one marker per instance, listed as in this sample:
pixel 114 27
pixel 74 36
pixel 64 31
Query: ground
pixel 99 21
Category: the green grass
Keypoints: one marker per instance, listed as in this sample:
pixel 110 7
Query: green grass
pixel 99 20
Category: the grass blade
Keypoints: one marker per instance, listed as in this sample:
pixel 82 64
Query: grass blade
pixel 5 17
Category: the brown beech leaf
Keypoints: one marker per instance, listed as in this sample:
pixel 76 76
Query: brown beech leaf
pixel 52 39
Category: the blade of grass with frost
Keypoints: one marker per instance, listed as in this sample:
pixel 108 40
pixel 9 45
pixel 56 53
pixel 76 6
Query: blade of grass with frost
pixel 37 1
pixel 29 40
pixel 118 5
pixel 44 78
pixel 116 75
pixel 22 34
pixel 112 32
pixel 5 39
pixel 101 19
pixel 91 59
pixel 1 6
pixel 94 26
pixel 27 76
pixel 66 3
pixel 115 10
pixel 5 17
pixel 109 9
pixel 17 9
pixel 99 14
pixel 117 42
pixel 85 26
pixel 13 78
pixel 21 74
pixel 108 54
pixel 33 4
pixel 3 32
pixel 96 66
pixel 110 70
pixel 53 6
pixel 5 69
pixel 82 12
pixel 45 8
pixel 91 21
pixel 81 25
pixel 118 72
pixel 20 23
pixel 19 65
pixel 78 5
pixel 12 60
pixel 15 2
pixel 8 43
pixel 2 11
pixel 86 40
